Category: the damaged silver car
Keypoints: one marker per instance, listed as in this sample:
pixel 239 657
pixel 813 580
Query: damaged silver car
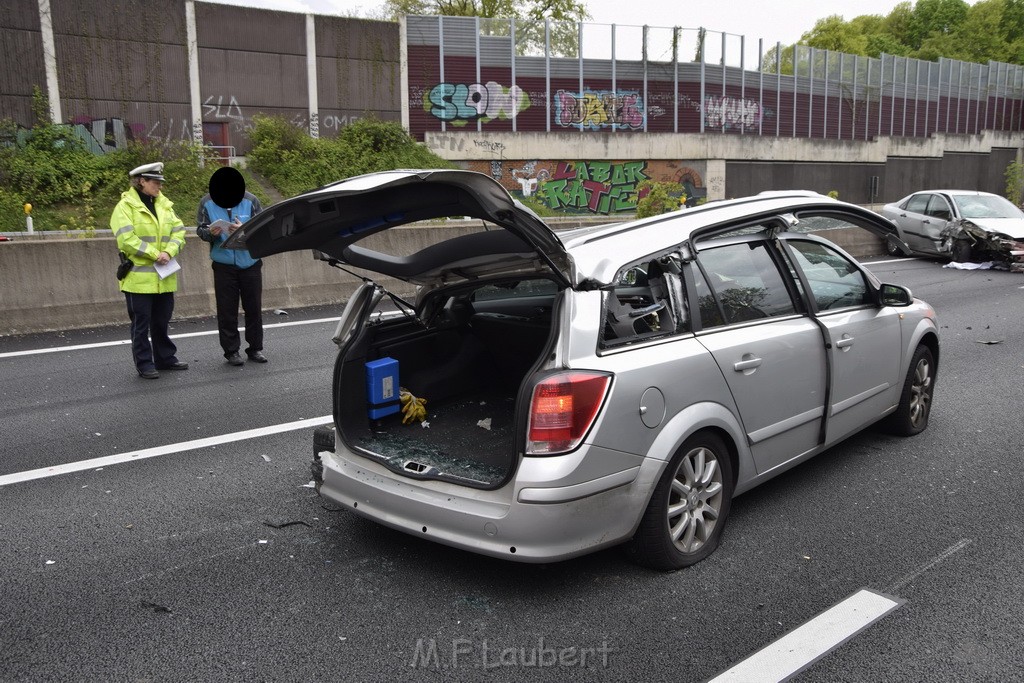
pixel 545 394
pixel 963 225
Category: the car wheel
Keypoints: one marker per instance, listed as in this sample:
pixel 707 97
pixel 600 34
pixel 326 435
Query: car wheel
pixel 892 249
pixel 686 515
pixel 911 416
pixel 961 252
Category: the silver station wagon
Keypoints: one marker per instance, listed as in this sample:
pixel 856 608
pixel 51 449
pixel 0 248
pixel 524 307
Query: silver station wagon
pixel 547 394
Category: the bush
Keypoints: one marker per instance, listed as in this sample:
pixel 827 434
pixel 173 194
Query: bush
pixel 659 198
pixel 296 163
pixel 48 166
pixel 70 188
pixel 1014 175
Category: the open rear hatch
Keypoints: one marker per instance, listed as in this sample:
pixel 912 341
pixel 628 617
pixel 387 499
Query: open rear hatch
pixel 334 218
pixel 482 324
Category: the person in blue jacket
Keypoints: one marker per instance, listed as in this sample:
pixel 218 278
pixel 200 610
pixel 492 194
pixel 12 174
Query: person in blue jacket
pixel 236 274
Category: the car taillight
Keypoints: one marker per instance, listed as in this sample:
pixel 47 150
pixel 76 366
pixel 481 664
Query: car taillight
pixel 563 409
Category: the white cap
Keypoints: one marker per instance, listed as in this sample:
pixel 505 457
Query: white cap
pixel 154 171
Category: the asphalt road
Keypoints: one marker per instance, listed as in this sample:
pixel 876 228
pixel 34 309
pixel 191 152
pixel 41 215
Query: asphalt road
pixel 217 563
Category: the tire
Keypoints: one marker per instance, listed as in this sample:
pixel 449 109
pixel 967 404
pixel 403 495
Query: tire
pixel 892 249
pixel 911 416
pixel 961 251
pixel 686 515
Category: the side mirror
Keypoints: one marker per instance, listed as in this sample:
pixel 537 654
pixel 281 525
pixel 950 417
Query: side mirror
pixel 895 295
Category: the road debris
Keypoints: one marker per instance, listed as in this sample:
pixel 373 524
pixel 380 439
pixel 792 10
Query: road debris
pixel 281 525
pixel 155 607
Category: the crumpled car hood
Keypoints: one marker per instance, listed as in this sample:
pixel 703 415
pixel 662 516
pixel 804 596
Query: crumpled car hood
pixel 1011 227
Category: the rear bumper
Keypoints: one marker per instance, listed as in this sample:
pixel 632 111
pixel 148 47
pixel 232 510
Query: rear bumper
pixel 573 520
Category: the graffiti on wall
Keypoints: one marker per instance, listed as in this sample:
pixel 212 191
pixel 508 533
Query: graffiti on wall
pixel 103 135
pixel 459 103
pixel 729 112
pixel 596 186
pixel 219 108
pixel 584 187
pixel 596 109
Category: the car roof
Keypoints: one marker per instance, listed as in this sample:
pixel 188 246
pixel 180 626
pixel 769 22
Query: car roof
pixel 976 192
pixel 598 252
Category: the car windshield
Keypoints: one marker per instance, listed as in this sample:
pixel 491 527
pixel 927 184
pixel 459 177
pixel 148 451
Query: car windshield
pixel 986 206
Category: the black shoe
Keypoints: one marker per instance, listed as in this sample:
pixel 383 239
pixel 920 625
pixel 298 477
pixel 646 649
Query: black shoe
pixel 176 365
pixel 257 357
pixel 235 359
pixel 152 373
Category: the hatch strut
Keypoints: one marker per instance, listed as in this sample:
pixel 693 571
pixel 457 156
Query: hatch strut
pixel 402 305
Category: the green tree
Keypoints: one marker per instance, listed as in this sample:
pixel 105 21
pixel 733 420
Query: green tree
pixel 935 18
pixel 530 16
pixel 1011 23
pixel 897 24
pixel 832 33
pixel 531 10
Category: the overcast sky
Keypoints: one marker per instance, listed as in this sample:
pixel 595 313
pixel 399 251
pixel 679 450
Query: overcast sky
pixel 781 21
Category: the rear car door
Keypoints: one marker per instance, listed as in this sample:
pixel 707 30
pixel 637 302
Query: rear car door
pixel 770 352
pixel 863 339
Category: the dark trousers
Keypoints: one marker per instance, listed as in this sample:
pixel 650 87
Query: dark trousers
pixel 231 284
pixel 150 314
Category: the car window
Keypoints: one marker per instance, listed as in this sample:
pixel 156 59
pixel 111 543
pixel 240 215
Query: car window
pixel 939 208
pixel 647 301
pixel 986 206
pixel 515 290
pixel 918 203
pixel 710 313
pixel 745 282
pixel 835 282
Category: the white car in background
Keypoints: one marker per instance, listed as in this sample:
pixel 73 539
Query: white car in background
pixel 963 225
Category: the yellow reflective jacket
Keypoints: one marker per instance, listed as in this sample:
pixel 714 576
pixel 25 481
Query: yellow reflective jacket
pixel 141 237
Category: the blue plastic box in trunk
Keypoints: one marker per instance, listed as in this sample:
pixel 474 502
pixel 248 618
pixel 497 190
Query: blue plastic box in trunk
pixel 382 387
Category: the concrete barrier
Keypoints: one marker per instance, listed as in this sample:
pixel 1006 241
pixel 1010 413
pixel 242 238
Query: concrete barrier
pixel 59 283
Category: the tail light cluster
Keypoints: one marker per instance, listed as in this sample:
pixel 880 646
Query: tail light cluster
pixel 563 409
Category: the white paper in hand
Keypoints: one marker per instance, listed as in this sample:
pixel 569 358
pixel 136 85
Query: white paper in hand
pixel 168 268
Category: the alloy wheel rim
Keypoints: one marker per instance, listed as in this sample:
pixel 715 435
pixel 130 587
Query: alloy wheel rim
pixel 921 393
pixel 695 500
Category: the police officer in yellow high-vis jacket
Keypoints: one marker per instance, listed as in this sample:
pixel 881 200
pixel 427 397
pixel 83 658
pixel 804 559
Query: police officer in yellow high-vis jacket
pixel 150 234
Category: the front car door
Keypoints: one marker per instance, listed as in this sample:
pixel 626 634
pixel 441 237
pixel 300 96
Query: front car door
pixel 913 222
pixel 863 340
pixel 939 215
pixel 768 349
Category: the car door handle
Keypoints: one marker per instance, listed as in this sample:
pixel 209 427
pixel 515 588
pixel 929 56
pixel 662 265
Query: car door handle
pixel 844 343
pixel 747 364
pixel 926 221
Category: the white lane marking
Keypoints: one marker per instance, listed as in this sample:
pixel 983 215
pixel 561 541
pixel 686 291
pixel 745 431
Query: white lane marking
pixel 944 555
pixel 808 643
pixel 66 468
pixel 123 342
